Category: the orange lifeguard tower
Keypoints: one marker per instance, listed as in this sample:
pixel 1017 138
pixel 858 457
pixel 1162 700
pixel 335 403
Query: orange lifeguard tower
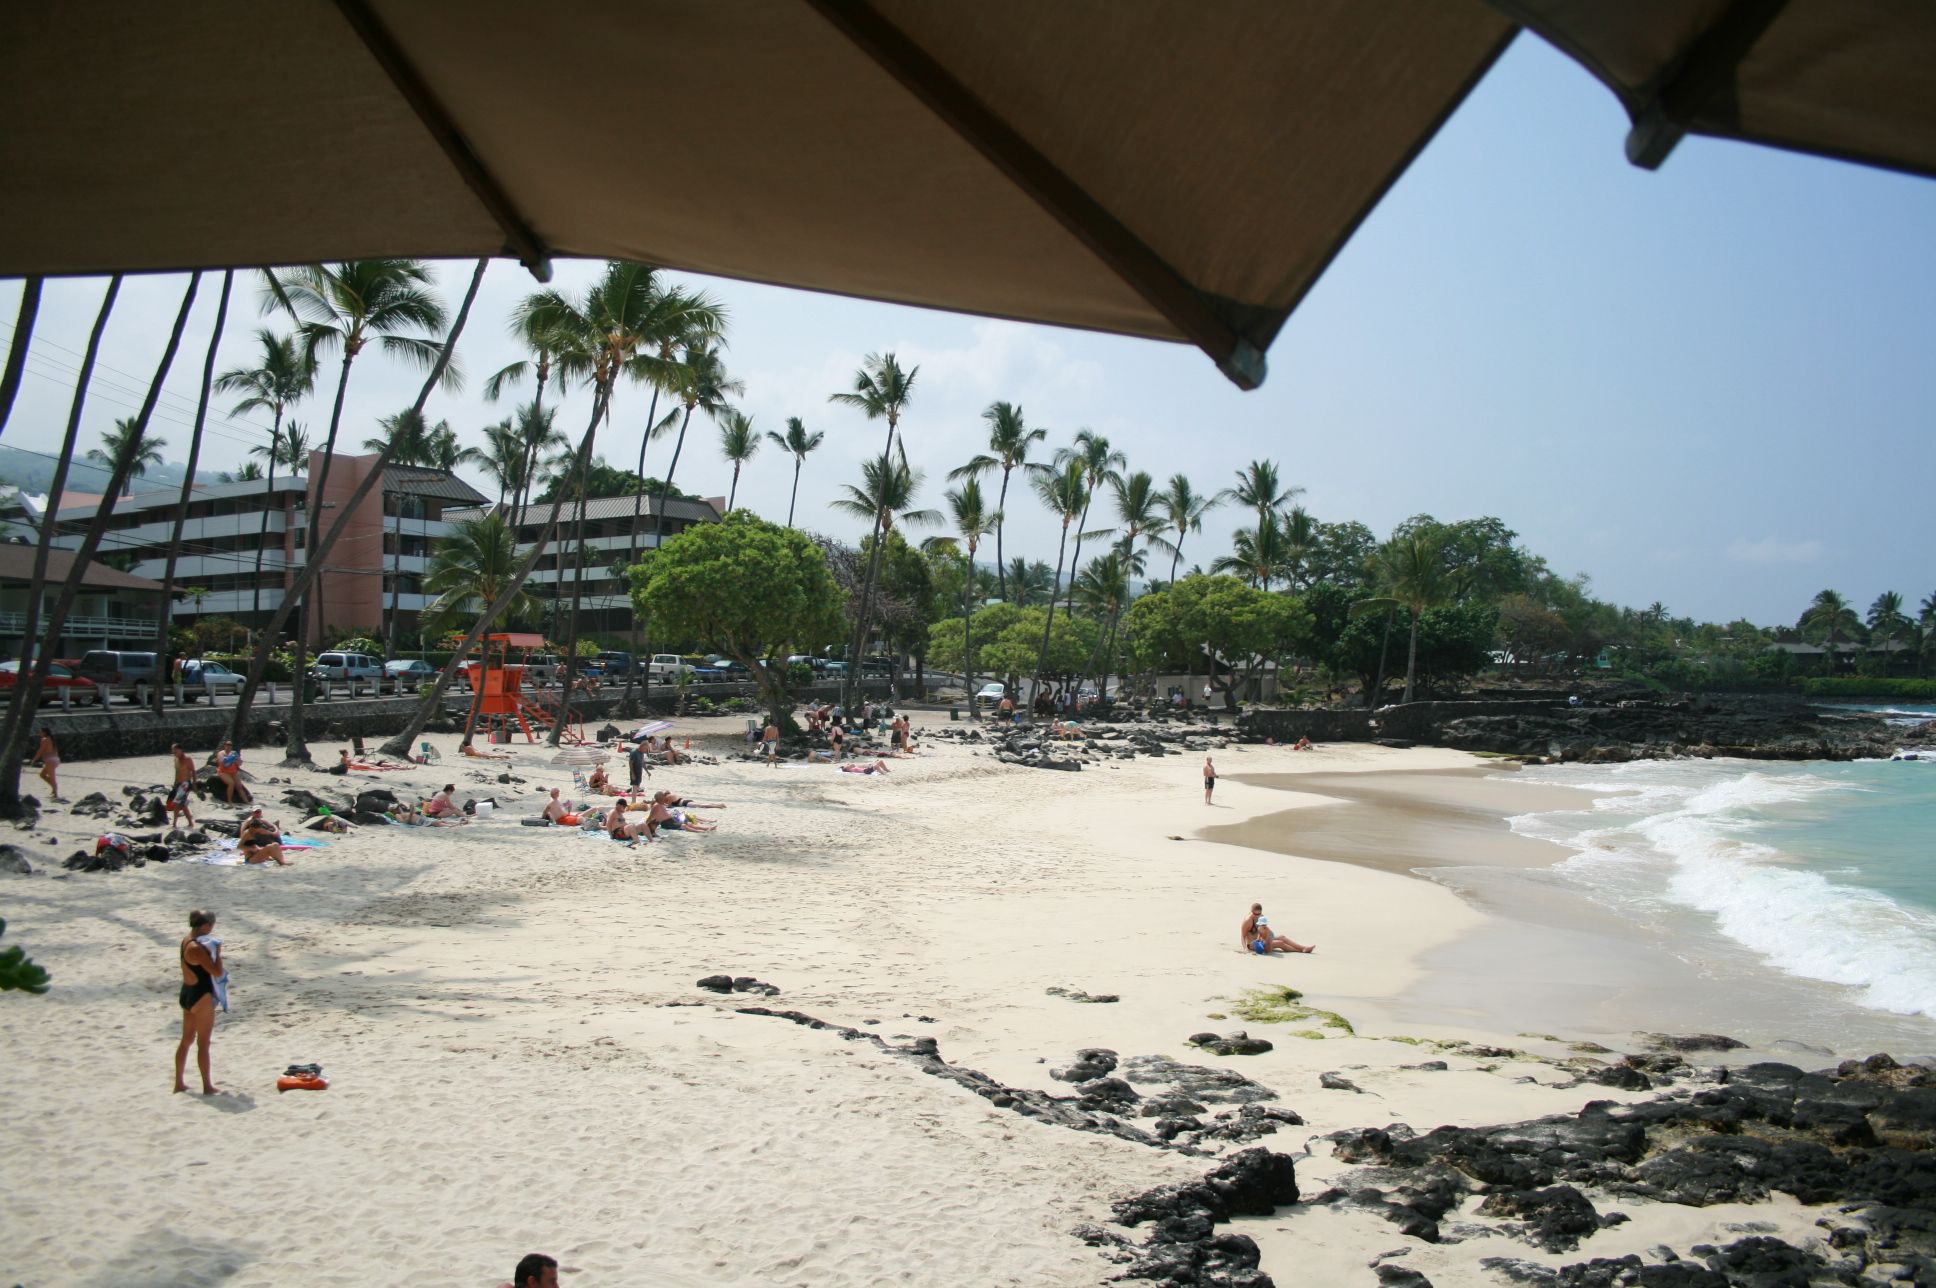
pixel 497 689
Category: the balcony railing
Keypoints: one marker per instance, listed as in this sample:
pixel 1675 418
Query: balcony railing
pixel 89 627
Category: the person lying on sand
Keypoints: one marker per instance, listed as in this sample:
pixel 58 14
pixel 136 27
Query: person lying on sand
pixel 261 840
pixel 1256 936
pixel 878 767
pixel 669 812
pixel 468 750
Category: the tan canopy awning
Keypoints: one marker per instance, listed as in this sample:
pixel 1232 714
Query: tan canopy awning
pixel 1182 171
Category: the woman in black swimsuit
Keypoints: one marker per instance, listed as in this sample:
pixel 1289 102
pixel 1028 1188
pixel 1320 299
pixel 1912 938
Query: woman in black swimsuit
pixel 199 968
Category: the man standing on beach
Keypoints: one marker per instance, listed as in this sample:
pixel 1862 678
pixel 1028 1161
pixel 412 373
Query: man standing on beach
pixel 635 762
pixel 1209 778
pixel 184 784
pixel 771 739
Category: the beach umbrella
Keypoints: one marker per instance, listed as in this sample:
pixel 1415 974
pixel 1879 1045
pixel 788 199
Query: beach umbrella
pixel 654 727
pixel 588 754
pixel 1147 167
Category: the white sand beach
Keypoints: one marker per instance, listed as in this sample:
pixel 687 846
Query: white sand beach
pixel 520 1059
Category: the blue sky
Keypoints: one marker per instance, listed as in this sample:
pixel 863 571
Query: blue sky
pixel 1710 385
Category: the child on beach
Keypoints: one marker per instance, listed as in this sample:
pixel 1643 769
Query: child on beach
pixel 47 756
pixel 184 784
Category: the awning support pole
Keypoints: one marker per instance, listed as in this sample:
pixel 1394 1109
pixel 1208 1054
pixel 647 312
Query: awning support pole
pixel 1709 64
pixel 519 239
pixel 1148 273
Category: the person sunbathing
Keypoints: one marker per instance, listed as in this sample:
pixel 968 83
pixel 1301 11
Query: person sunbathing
pixel 558 812
pixel 402 813
pixel 1302 744
pixel 673 801
pixel 878 767
pixel 468 750
pixel 671 814
pixel 1256 936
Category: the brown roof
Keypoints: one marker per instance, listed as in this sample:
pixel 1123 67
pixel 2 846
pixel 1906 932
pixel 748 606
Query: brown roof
pixel 1150 167
pixel 17 568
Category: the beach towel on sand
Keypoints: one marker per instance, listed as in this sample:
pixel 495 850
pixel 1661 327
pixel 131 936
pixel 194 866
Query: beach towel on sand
pixel 226 854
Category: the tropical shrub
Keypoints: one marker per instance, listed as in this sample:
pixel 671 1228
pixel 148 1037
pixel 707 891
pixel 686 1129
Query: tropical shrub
pixel 1855 686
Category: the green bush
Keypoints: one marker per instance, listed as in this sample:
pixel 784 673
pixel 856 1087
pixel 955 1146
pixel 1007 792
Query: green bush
pixel 1855 686
pixel 703 705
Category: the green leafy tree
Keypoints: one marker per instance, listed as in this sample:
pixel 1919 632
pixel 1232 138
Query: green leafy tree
pixel 1041 642
pixel 798 443
pixel 1009 441
pixel 1342 554
pixel 1239 626
pixel 1028 583
pixel 759 591
pixel 739 442
pixel 1256 554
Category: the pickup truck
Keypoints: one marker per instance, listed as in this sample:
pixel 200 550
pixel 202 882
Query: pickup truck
pixel 667 667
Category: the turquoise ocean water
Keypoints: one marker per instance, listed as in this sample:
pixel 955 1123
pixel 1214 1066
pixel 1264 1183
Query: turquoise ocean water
pixel 1818 871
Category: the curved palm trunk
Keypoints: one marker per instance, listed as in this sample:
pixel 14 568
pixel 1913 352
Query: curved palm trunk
pixel 1001 507
pixel 795 494
pixel 403 743
pixel 1082 526
pixel 733 491
pixel 15 730
pixel 296 749
pixel 1384 643
pixel 639 673
pixel 312 566
pixel 571 626
pixel 1411 656
pixel 968 632
pixel 641 622
pixel 850 682
pixel 262 538
pixel 1048 624
pixel 23 334
pixel 162 668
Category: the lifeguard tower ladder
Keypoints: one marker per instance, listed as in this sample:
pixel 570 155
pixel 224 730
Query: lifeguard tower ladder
pixel 497 689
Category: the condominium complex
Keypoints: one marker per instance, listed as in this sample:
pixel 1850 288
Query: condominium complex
pixel 242 544
pixel 610 530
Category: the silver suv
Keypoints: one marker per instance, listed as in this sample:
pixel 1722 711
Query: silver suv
pixel 346 666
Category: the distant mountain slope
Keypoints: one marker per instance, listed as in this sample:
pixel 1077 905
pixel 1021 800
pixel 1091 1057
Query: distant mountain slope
pixel 33 472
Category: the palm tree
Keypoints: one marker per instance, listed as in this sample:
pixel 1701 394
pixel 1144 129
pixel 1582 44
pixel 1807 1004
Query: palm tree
pixel 1412 575
pixel 1103 588
pixel 411 434
pixel 1255 555
pixel 1300 533
pixel 797 443
pixel 443 452
pixel 1184 509
pixel 250 472
pixel 886 496
pixel 738 443
pixel 345 307
pixel 1028 582
pixel 474 566
pixel 502 459
pixel 1259 488
pixel 973 521
pixel 1887 622
pixel 283 376
pixel 535 430
pixel 882 391
pixel 1830 615
pixel 164 620
pixel 1009 440
pixel 1138 512
pixel 147 450
pixel 1066 493
pixel 1100 464
pixel 425 447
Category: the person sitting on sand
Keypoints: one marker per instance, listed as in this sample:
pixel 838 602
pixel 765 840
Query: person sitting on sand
pixel 558 812
pixel 1256 936
pixel 598 783
pixel 228 772
pixel 261 840
pixel 622 829
pixel 836 742
pixel 668 811
pixel 1302 744
pixel 184 785
pixel 443 804
pixel 402 813
pixel 878 767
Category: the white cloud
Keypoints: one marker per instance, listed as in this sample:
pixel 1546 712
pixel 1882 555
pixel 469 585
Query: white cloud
pixel 1773 550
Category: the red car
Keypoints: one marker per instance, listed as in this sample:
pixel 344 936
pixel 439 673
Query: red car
pixel 59 676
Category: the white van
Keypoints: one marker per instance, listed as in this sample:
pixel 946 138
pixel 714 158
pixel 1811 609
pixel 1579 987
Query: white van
pixel 346 666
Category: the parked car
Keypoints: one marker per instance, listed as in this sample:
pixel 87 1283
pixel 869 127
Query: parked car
pixel 727 668
pixel 667 667
pixel 877 665
pixel 58 677
pixel 199 677
pixel 990 694
pixel 836 667
pixel 116 667
pixel 408 674
pixel 542 667
pixel 613 662
pixel 345 666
